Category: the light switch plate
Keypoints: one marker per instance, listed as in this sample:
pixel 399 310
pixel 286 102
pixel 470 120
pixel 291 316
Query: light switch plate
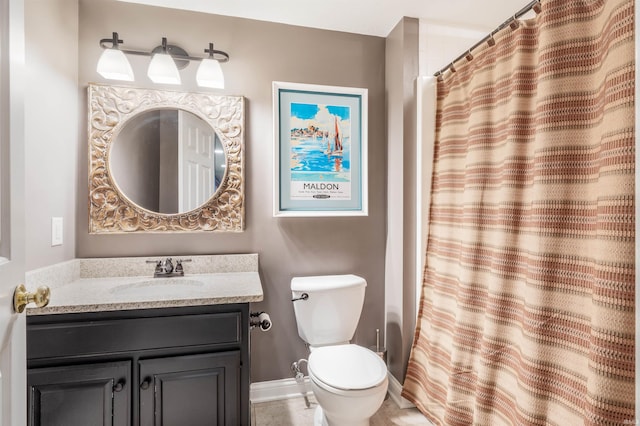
pixel 56 231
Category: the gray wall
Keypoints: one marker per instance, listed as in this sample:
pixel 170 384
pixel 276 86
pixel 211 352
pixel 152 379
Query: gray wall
pixel 400 294
pixel 168 187
pixel 135 160
pixel 260 53
pixel 52 136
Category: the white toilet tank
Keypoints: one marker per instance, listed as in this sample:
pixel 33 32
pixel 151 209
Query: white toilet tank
pixel 330 314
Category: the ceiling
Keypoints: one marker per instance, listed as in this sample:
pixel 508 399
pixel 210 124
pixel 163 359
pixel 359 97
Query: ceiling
pixel 356 16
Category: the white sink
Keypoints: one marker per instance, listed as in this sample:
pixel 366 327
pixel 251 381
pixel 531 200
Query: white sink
pixel 175 286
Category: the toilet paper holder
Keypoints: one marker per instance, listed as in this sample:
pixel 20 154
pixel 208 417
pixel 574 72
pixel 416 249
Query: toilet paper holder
pixel 261 320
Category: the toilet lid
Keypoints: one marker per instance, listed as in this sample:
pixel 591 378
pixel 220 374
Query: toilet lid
pixel 347 367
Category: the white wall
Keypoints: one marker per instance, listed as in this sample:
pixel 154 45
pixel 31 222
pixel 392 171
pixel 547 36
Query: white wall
pixel 51 128
pixel 442 43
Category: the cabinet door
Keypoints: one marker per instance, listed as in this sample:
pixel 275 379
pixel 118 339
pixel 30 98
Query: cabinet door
pixel 80 395
pixel 194 390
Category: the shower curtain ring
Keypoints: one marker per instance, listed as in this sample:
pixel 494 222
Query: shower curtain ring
pixel 537 8
pixel 469 56
pixel 515 23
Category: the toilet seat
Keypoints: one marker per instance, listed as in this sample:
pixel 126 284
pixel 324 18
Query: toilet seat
pixel 346 367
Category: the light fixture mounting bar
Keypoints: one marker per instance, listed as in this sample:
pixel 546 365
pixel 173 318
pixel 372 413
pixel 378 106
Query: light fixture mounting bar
pixel 114 42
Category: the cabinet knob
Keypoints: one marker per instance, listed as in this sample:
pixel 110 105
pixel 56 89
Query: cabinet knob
pixel 145 383
pixel 119 386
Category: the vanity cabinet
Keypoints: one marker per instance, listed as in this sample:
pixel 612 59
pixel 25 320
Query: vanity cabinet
pixel 190 390
pixel 80 395
pixel 170 366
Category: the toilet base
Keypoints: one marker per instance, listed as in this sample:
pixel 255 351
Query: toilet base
pixel 319 419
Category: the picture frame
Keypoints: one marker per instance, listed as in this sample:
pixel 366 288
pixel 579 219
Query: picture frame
pixel 320 150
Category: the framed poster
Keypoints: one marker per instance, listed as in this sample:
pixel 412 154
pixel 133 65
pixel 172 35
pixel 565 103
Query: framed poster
pixel 320 150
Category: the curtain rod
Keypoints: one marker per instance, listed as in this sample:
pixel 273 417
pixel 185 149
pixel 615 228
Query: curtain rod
pixel 533 5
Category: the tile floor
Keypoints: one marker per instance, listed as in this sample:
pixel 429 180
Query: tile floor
pixel 293 412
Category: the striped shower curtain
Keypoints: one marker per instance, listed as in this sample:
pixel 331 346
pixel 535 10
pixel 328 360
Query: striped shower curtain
pixel 527 309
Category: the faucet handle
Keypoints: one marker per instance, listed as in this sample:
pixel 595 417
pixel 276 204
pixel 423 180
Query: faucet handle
pixel 179 269
pixel 158 264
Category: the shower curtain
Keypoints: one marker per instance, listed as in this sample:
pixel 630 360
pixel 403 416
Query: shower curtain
pixel 527 308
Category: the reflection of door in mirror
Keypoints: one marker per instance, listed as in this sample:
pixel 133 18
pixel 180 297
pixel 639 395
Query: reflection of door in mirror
pixel 200 161
pixel 167 161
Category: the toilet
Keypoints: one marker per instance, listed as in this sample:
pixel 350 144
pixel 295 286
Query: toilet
pixel 348 381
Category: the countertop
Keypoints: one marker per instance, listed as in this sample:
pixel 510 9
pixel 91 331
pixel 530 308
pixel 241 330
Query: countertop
pixel 81 285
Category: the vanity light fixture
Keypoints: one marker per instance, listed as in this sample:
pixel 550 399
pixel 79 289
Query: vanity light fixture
pixel 209 71
pixel 113 64
pixel 162 68
pixel 166 61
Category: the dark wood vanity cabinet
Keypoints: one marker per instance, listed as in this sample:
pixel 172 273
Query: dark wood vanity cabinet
pixel 170 367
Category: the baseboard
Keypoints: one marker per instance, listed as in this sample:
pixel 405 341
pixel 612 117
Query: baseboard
pixel 395 390
pixel 278 389
pixel 288 388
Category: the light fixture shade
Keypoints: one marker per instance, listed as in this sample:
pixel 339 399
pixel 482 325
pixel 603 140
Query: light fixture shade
pixel 113 65
pixel 210 74
pixel 162 69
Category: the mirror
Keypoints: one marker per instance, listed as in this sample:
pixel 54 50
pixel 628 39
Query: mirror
pixel 165 161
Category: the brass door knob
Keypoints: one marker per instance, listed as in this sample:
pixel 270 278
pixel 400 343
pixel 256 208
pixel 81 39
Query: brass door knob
pixel 21 297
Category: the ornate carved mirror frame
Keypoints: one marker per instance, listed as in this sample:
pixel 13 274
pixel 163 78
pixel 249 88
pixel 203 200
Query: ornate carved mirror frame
pixel 110 211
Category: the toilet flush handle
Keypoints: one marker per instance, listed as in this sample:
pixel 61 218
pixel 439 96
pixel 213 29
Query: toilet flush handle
pixel 303 296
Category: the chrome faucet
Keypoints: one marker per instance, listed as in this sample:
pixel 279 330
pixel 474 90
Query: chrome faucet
pixel 165 268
